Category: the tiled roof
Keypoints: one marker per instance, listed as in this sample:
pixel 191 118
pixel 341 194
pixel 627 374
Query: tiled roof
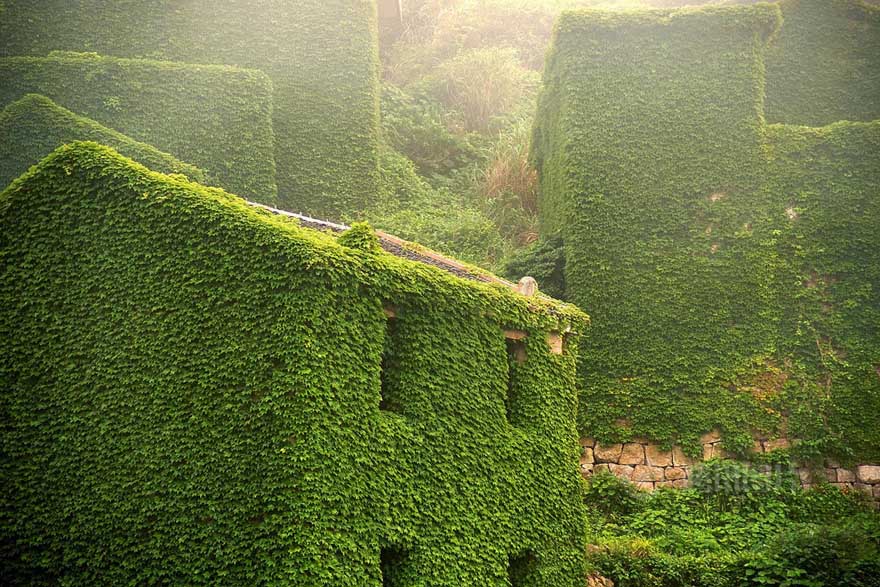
pixel 399 248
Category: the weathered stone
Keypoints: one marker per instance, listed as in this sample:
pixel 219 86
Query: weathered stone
pixel 645 486
pixel 602 467
pixel 647 473
pixel 607 453
pixel 599 581
pixel 877 491
pixel 587 457
pixel 675 473
pixel 864 488
pixel 710 437
pixel 832 464
pixel 586 469
pixel 588 442
pixel 656 457
pixel 680 459
pixel 711 451
pixel 805 475
pixel 680 483
pixel 758 447
pixel 776 444
pixel 622 471
pixel 841 486
pixel 660 484
pixel 830 475
pixel 869 473
pixel 632 454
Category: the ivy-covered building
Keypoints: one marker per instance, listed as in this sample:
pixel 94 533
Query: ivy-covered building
pixel 195 389
pixel 731 266
pixel 320 55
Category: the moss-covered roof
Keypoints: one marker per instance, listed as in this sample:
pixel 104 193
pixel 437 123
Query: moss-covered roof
pixel 414 256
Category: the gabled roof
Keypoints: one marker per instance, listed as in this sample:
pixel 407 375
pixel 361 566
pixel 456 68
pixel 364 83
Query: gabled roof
pixel 399 248
pixel 310 239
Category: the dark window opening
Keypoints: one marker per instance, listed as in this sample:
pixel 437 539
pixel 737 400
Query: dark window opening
pixel 390 400
pixel 516 356
pixel 391 562
pixel 521 567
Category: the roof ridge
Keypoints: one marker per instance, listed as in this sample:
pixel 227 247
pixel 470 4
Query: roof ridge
pixel 399 248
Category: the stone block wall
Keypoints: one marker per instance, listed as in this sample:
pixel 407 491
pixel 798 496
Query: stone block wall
pixel 650 467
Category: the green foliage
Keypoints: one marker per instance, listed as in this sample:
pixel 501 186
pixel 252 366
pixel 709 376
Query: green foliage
pixel 508 185
pixel 818 556
pixel 828 180
pixel 413 126
pixel 321 56
pixel 730 267
pixel 732 483
pixel 360 236
pixel 687 538
pixel 636 562
pixel 218 118
pixel 462 232
pixel 34 126
pixel 545 261
pixel 190 391
pixel 434 217
pixel 824 66
pixel 825 504
pixel 611 495
pixel 480 86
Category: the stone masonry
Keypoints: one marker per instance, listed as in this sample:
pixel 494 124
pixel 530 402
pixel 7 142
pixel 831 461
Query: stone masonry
pixel 650 467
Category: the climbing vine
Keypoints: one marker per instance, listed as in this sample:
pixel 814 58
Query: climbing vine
pixel 730 267
pixel 190 390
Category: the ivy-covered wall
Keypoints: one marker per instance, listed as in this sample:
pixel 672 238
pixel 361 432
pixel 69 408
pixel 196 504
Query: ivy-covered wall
pixel 828 182
pixel 322 56
pixel 824 66
pixel 216 117
pixel 194 390
pixel 34 126
pixel 684 238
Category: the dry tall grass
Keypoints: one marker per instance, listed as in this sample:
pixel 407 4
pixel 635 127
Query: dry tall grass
pixel 508 186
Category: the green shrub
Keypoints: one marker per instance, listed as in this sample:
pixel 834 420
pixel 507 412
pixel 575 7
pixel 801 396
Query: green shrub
pixel 612 495
pixel 508 186
pixel 480 86
pixel 683 538
pixel 454 230
pixel 215 117
pixel 636 562
pixel 729 481
pixel 545 261
pixel 413 210
pixel 34 126
pixel 413 126
pixel 825 504
pixel 817 556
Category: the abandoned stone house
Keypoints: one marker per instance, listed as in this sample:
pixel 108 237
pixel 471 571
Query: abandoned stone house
pixel 184 371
